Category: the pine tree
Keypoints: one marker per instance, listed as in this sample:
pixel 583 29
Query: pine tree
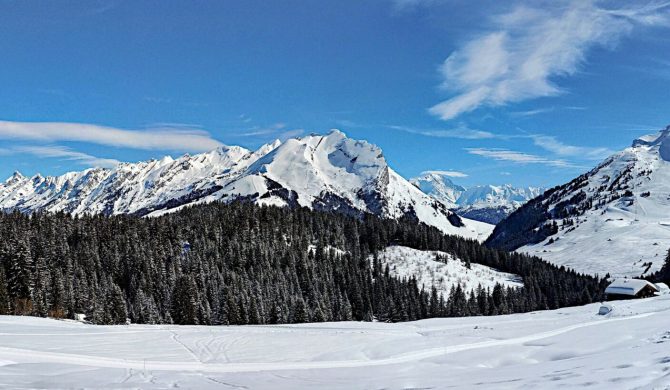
pixel 20 276
pixel 4 295
pixel 184 304
pixel 116 308
pixel 300 311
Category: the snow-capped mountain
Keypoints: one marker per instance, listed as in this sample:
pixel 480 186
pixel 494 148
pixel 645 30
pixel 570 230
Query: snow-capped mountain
pixel 439 187
pixel 330 172
pixel 486 203
pixel 614 219
pixel 491 204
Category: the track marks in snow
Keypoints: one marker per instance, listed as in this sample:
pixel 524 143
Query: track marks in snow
pixel 199 366
pixel 175 338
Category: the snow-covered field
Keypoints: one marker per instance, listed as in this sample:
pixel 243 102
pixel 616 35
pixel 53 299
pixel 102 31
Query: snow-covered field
pixel 568 348
pixel 405 262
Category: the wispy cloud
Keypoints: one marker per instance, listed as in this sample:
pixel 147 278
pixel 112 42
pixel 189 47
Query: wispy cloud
pixel 551 144
pixel 534 112
pixel 263 131
pixel 544 110
pixel 445 173
pixel 526 49
pixel 159 138
pixel 461 131
pixel 277 131
pixel 64 153
pixel 519 157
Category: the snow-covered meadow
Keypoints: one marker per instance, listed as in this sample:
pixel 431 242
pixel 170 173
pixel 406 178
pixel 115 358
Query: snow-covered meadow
pixel 404 262
pixel 567 348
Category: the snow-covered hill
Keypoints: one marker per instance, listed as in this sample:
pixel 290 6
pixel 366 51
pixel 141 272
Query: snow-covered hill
pixel 330 172
pixel 614 219
pixel 404 262
pixel 486 203
pixel 562 349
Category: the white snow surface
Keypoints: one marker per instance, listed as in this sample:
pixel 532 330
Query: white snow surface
pixel 567 348
pixel 618 237
pixel 404 262
pixel 326 172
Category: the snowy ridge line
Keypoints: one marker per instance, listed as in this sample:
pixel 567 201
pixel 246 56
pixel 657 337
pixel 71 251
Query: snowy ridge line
pixel 610 220
pixel 485 203
pixel 91 361
pixel 322 172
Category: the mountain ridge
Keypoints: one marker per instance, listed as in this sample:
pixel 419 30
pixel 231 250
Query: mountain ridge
pixel 325 172
pixel 612 219
pixel 486 203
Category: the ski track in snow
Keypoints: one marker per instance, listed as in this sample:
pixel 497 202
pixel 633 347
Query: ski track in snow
pixel 254 367
pixel 570 347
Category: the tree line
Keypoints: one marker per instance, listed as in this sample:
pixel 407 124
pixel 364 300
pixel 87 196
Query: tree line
pixel 240 263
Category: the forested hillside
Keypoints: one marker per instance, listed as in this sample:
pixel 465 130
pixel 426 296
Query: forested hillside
pixel 244 264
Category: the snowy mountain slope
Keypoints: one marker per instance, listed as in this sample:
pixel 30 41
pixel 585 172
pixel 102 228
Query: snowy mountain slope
pixel 330 172
pixel 404 262
pixel 486 203
pixel 567 348
pixel 439 187
pixel 614 219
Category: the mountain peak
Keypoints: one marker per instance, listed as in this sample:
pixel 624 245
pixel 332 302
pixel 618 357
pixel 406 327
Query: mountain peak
pixel 325 172
pixel 656 142
pixel 16 177
pixel 336 133
pixel 652 139
pixel 440 187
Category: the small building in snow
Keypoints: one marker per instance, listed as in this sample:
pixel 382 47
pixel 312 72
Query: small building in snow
pixel 630 289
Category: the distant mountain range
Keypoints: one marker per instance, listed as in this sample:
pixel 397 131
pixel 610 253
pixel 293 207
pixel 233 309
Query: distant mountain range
pixel 323 172
pixel 614 219
pixel 486 203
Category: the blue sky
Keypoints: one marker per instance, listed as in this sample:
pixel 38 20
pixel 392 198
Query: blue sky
pixel 528 93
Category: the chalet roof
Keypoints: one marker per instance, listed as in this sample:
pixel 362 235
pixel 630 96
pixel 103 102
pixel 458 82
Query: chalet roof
pixel 628 286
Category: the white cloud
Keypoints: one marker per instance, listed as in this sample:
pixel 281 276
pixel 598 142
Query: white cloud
pixel 64 153
pixel 519 157
pixel 262 131
pixel 462 132
pixel 277 130
pixel 527 113
pixel 159 138
pixel 526 49
pixel 545 110
pixel 559 148
pixel 445 173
